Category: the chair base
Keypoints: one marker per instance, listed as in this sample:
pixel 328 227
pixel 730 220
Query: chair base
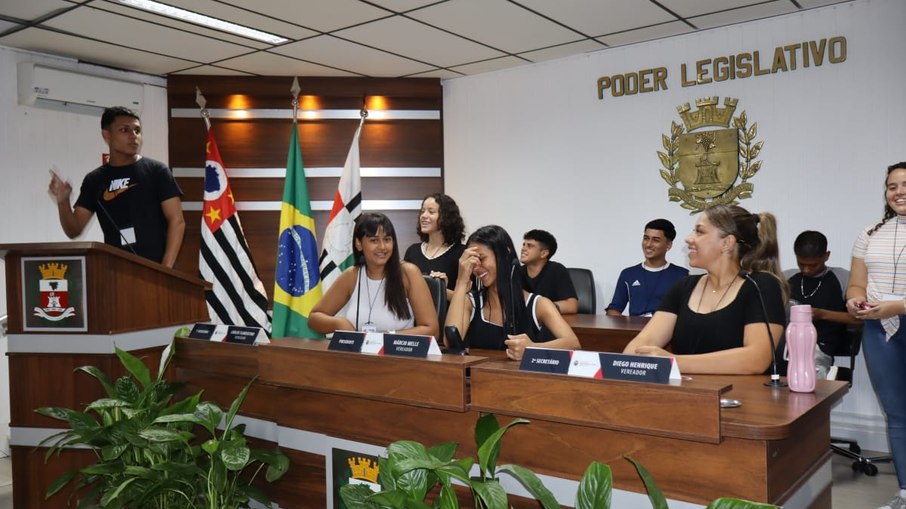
pixel 865 464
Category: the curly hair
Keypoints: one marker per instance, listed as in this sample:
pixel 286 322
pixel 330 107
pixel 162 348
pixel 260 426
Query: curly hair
pixel 449 222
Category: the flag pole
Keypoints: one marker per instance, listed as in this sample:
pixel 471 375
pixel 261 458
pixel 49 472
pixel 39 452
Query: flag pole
pixel 295 89
pixel 201 101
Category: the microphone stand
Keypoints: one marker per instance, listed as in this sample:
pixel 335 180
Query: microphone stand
pixel 775 375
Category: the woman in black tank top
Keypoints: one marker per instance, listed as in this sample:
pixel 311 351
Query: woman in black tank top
pixel 489 306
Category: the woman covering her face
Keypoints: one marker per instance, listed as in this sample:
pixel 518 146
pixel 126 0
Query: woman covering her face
pixel 378 293
pixel 489 307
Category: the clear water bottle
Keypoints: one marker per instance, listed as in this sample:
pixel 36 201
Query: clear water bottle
pixel 801 341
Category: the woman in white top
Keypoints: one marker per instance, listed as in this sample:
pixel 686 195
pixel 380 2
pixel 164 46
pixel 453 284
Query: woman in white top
pixel 378 293
pixel 877 295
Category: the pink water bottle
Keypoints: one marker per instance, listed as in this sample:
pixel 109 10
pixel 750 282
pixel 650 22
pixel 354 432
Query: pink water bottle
pixel 801 341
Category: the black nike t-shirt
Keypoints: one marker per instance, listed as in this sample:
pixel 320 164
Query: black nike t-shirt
pixel 127 201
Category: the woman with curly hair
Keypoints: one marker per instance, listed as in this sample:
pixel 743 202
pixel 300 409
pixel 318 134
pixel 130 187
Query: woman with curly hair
pixel 441 230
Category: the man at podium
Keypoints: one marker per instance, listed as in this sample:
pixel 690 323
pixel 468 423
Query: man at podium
pixel 136 198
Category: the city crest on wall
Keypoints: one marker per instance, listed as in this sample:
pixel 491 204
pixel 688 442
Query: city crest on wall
pixel 704 157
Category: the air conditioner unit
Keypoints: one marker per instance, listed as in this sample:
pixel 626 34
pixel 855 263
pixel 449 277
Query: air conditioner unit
pixel 43 85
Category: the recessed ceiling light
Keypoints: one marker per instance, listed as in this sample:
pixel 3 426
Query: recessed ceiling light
pixel 201 19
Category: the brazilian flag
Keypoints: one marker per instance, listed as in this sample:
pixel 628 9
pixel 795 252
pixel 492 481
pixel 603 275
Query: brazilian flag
pixel 297 285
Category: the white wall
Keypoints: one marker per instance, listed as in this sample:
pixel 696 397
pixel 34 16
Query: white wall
pixel 534 147
pixel 34 139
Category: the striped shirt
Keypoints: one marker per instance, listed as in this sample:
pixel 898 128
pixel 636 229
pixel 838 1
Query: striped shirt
pixel 883 253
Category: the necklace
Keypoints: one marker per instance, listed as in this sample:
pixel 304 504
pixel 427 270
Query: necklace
pixel 370 300
pixel 802 287
pixel 437 252
pixel 721 299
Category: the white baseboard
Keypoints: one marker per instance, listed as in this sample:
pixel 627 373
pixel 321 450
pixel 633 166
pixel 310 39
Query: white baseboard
pixel 870 431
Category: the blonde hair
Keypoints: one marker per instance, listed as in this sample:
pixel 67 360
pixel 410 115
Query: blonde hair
pixel 757 248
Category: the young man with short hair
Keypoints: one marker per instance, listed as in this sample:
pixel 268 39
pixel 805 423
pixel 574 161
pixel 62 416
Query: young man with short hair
pixel 642 286
pixel 543 276
pixel 818 286
pixel 136 198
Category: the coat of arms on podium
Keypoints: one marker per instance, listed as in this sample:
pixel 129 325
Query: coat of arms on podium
pixel 54 294
pixel 704 157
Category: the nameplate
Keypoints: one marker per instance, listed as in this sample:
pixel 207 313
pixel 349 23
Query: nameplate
pixel 229 334
pixel 347 341
pixel 408 345
pixel 380 343
pixel 638 368
pixel 611 366
pixel 546 360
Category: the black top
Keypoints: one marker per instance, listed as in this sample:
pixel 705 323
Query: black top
pixel 696 333
pixel 131 195
pixel 823 292
pixel 448 263
pixel 490 336
pixel 552 282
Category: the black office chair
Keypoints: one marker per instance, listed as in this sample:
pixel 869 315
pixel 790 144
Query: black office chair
pixel 584 282
pixel 844 446
pixel 438 290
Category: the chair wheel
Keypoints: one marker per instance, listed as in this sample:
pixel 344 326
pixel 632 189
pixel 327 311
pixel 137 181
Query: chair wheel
pixel 857 466
pixel 855 449
pixel 870 469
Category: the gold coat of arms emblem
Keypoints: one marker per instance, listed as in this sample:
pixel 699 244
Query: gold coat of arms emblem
pixel 704 157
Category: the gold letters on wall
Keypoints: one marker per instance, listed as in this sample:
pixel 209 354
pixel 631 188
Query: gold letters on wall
pixel 787 58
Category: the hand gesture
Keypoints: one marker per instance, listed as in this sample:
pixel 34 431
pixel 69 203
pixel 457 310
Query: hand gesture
pixel 59 189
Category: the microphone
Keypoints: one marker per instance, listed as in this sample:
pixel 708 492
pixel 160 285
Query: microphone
pixel 775 375
pixel 118 230
pixel 454 339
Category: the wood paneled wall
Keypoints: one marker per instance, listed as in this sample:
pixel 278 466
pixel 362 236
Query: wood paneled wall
pixel 261 141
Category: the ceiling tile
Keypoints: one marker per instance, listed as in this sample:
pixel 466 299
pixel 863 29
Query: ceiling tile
pixel 206 70
pixel 340 54
pixel 5 25
pixel 689 8
pixel 646 34
pixel 490 65
pixel 742 15
pixel 564 50
pixel 270 64
pixel 594 17
pixel 117 29
pixel 439 73
pixel 403 5
pixel 321 15
pixel 497 23
pixel 818 3
pixel 418 41
pixel 32 9
pixel 95 52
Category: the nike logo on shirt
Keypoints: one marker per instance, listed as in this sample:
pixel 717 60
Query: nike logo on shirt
pixel 117 187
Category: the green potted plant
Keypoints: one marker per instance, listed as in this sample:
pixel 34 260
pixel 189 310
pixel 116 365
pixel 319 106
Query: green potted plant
pixel 410 472
pixel 156 453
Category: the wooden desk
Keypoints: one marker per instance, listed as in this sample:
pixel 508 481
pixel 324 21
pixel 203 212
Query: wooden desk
pixel 765 450
pixel 605 333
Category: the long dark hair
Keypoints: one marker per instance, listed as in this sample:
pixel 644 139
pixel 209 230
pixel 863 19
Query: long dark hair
pixel 368 225
pixel 756 239
pixel 449 221
pixel 888 212
pixel 509 277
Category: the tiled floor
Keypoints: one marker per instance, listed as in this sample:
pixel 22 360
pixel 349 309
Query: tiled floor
pixel 851 490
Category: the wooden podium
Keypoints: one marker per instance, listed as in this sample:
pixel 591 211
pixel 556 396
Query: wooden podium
pixel 70 305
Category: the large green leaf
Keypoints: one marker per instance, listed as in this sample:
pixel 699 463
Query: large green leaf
pixel 734 503
pixel 235 454
pixel 485 427
pixel 100 376
pixel 60 482
pixel 210 416
pixel 355 496
pixel 134 366
pixel 447 498
pixel 533 484
pixel 595 487
pixel 58 413
pixel 165 435
pixel 126 389
pixel 444 451
pixel 489 450
pixel 655 495
pixel 490 493
pixel 234 407
pixel 165 357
